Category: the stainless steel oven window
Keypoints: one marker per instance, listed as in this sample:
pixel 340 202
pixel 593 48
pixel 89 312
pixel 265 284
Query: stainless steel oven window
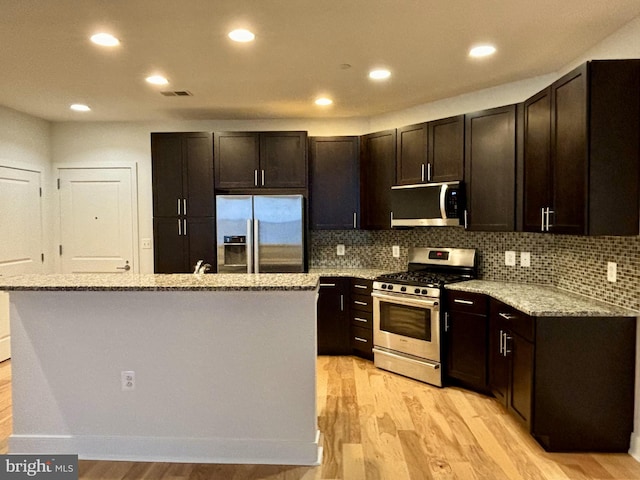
pixel 408 321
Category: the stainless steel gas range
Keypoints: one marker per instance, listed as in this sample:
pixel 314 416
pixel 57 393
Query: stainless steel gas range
pixel 406 311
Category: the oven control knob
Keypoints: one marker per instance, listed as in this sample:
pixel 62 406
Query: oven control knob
pixel 384 286
pixel 390 287
pixel 416 291
pixel 425 291
pixel 403 289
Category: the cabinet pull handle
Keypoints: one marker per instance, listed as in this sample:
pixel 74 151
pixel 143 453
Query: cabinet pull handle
pixel 501 349
pixel 422 172
pixel 542 217
pixel 507 338
pixel 360 286
pixel 464 302
pixel 184 206
pixel 428 172
pixel 446 321
pixel 255 177
pixel 363 340
pixel 178 206
pixel 363 320
pixel 185 227
pixel 357 302
pixel 263 178
pixel 466 220
pixel 355 220
pixel 327 284
pixel 507 316
pixel 342 303
pixel 179 227
pixel 549 213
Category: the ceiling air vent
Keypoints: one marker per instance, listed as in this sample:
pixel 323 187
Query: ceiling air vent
pixel 177 93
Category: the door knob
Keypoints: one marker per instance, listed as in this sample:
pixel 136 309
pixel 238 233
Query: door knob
pixel 126 267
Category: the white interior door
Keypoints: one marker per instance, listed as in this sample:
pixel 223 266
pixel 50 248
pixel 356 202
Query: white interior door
pixel 96 220
pixel 21 246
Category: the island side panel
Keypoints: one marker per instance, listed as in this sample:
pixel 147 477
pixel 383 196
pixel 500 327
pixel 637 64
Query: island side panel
pixel 219 376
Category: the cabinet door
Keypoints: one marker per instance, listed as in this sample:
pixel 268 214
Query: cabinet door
pixel 334 182
pixel 490 161
pixel 332 318
pixel 283 159
pixel 237 159
pixel 498 362
pixel 377 175
pixel 200 236
pixel 169 250
pixel 446 150
pixel 467 348
pixel 569 152
pixel 166 171
pixel 411 160
pixel 198 163
pixel 521 387
pixel 537 156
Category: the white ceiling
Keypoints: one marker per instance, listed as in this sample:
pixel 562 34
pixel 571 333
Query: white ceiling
pixel 47 61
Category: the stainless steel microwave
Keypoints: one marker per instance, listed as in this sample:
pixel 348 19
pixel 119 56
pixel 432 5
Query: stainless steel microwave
pixel 427 205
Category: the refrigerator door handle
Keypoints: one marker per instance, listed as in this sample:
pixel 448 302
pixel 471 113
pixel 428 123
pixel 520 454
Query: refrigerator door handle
pixel 256 245
pixel 249 246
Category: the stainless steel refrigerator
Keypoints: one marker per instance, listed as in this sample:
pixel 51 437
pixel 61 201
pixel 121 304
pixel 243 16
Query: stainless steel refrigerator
pixel 260 233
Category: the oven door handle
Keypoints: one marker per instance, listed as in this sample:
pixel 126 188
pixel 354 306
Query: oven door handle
pixel 405 300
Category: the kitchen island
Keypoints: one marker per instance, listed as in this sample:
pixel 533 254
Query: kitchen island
pixel 177 368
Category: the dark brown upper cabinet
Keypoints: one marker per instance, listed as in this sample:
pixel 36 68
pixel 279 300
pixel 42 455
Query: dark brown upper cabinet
pixel 377 176
pixel 490 169
pixel 250 160
pixel 182 174
pixel 582 152
pixel 334 183
pixel 431 152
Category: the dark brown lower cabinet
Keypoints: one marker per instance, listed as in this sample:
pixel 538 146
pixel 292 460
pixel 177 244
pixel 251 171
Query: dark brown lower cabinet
pixel 466 335
pixel 569 380
pixel 361 312
pixel 179 242
pixel 333 316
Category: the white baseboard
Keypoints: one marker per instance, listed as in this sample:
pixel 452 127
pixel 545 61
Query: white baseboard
pixel 634 449
pixel 163 449
pixel 5 348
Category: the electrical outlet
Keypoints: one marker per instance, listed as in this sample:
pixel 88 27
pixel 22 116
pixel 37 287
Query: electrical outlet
pixel 395 251
pixel 128 380
pixel 525 259
pixel 612 271
pixel 510 258
pixel 146 243
pixel 340 250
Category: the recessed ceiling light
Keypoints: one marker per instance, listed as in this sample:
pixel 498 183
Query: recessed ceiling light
pixel 79 107
pixel 379 74
pixel 482 51
pixel 241 35
pixel 157 80
pixel 105 40
pixel 323 101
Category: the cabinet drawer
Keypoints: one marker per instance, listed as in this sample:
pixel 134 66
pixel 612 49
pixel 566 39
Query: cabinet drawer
pixel 517 321
pixel 362 339
pixel 362 319
pixel 467 302
pixel 361 302
pixel 361 287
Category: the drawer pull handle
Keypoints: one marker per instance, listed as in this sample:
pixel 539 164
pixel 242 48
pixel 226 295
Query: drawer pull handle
pixel 507 316
pixel 363 320
pixel 363 340
pixel 361 286
pixel 357 302
pixel 464 302
pixel 327 284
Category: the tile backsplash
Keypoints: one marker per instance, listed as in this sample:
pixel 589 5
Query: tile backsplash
pixel 574 263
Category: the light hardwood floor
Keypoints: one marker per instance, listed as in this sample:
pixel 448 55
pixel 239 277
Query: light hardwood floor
pixel 377 425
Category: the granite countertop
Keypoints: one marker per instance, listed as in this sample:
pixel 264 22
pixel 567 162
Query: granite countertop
pixel 154 282
pixel 365 273
pixel 543 300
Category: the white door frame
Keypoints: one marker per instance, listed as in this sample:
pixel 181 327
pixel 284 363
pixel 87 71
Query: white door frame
pixel 133 171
